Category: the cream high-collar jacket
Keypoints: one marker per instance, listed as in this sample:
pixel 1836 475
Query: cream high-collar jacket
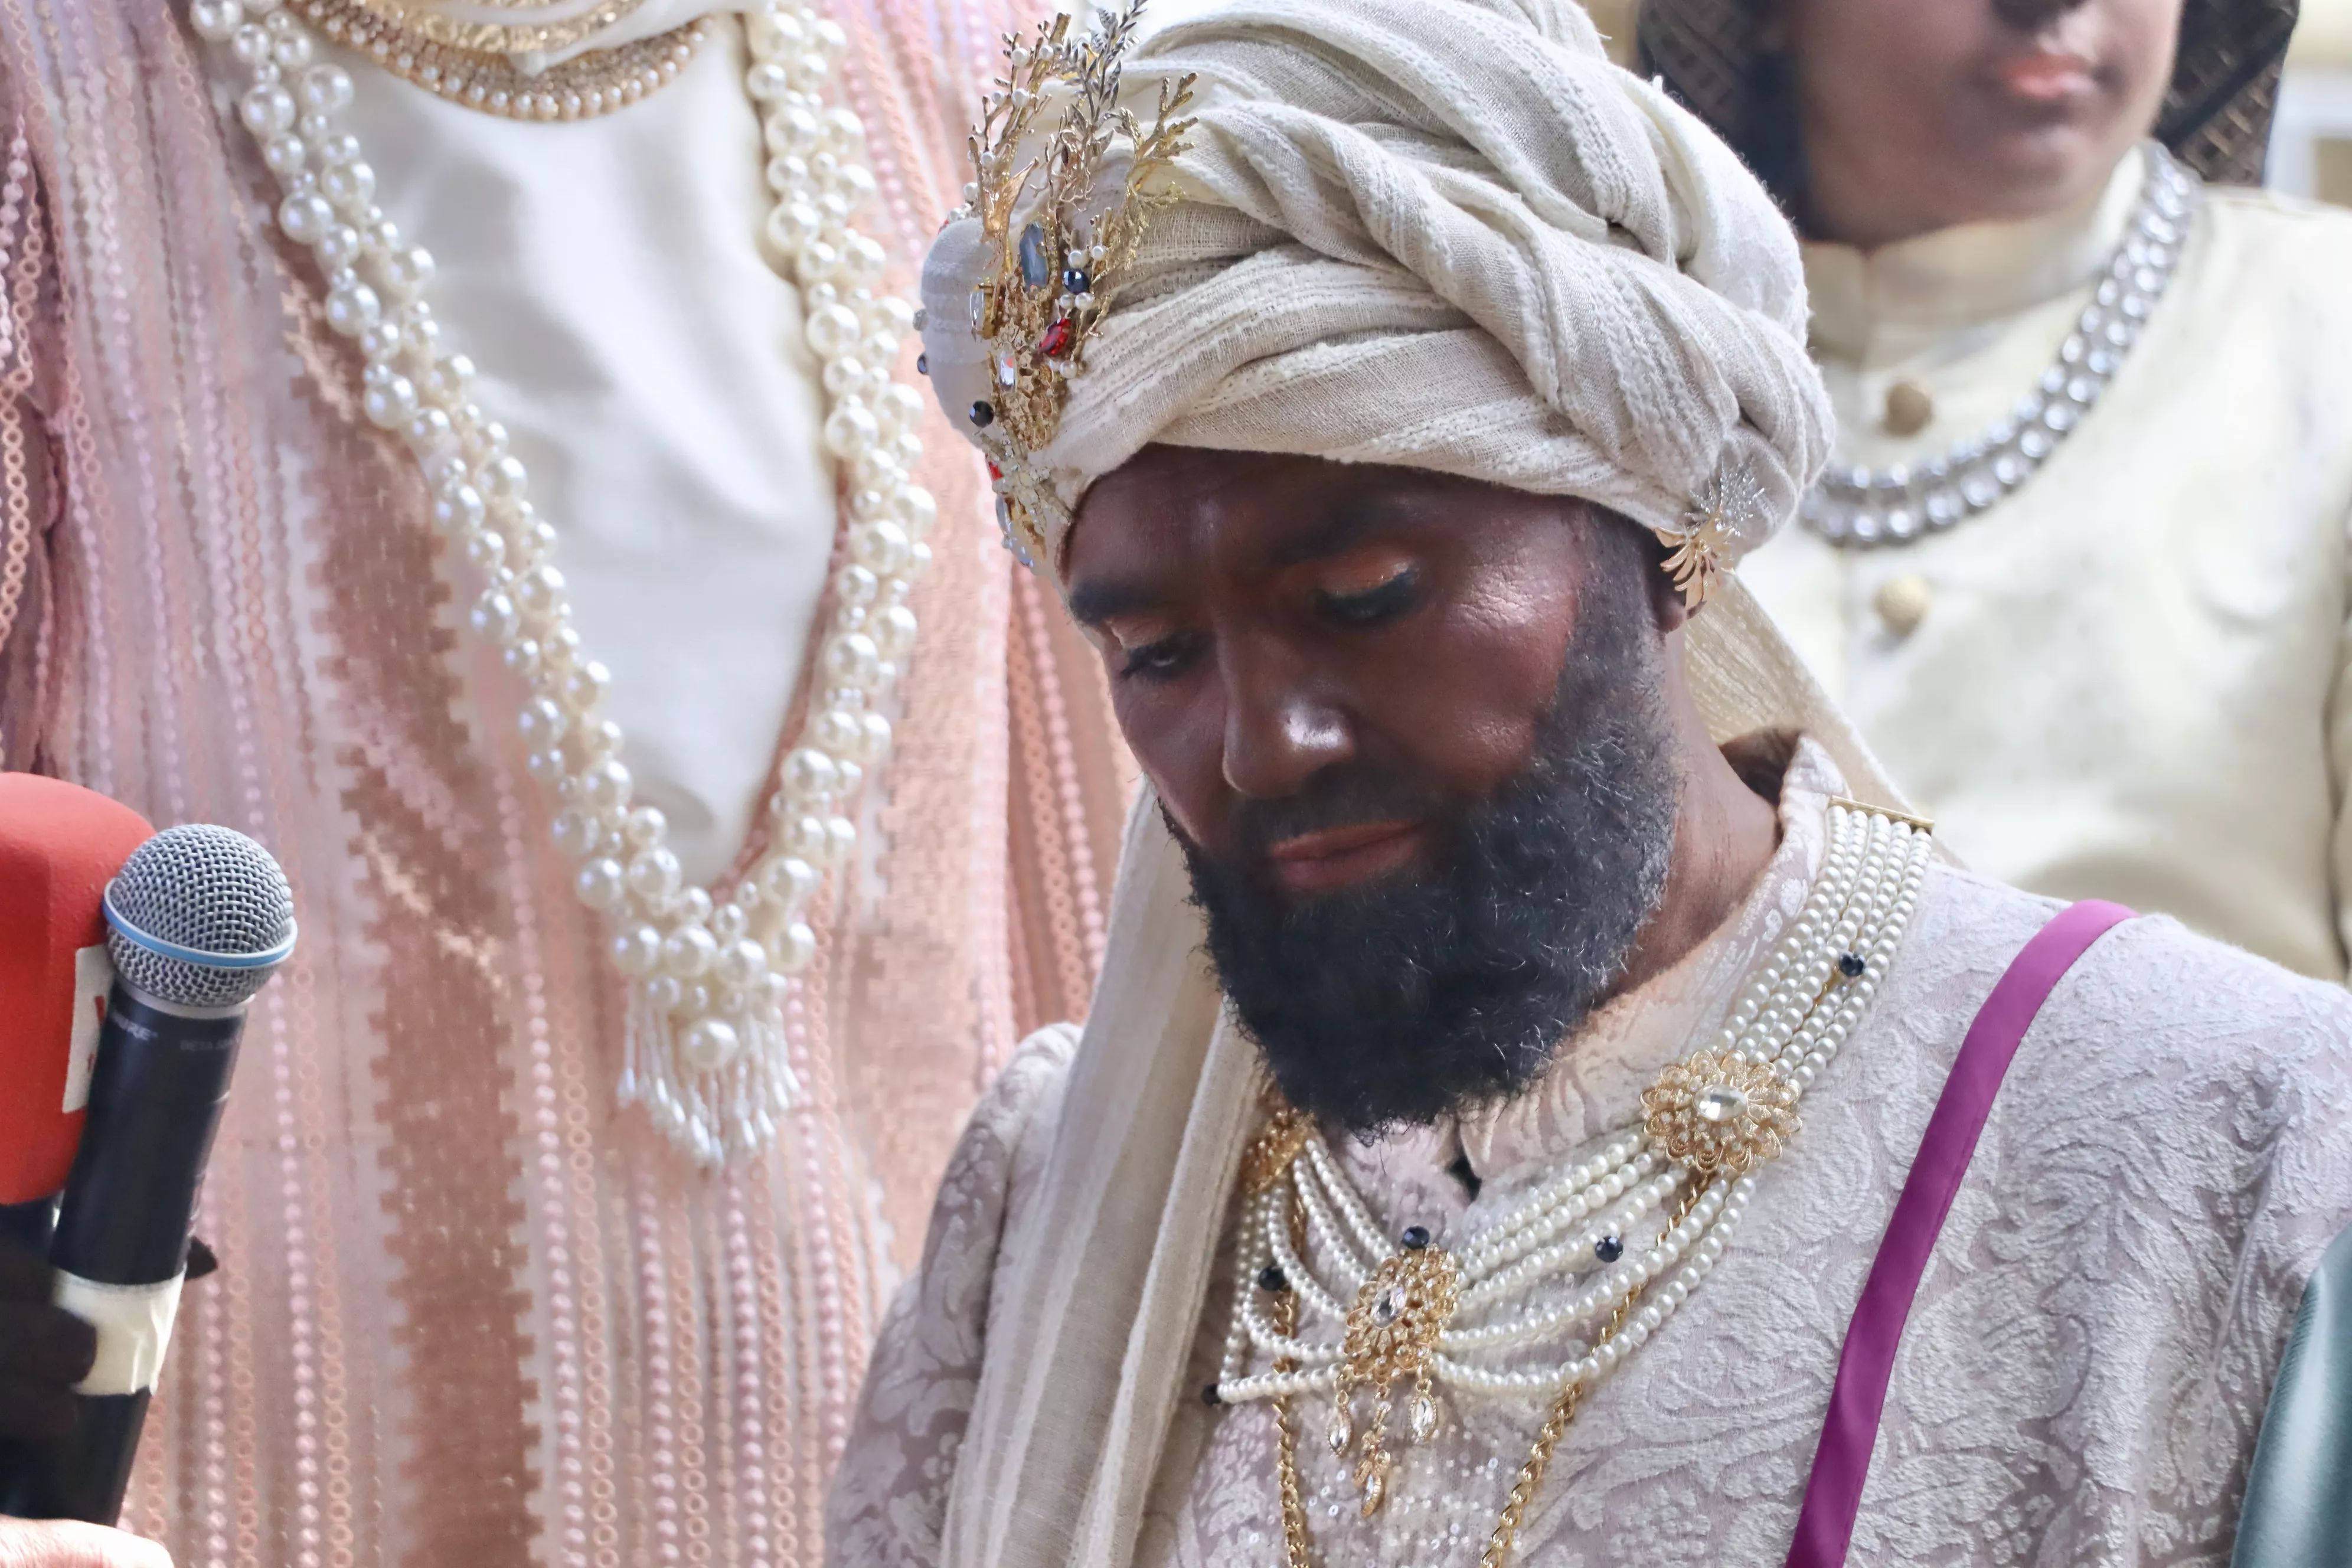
pixel 2126 679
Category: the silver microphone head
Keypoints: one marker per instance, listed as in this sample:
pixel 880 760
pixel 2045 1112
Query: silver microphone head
pixel 200 917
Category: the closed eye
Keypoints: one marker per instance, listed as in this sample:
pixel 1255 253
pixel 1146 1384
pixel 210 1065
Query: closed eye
pixel 1161 660
pixel 1376 605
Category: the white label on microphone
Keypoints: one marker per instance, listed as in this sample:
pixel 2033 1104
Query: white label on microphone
pixel 134 1327
pixel 93 978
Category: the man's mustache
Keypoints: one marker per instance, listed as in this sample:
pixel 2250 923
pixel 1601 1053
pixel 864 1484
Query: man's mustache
pixel 1343 796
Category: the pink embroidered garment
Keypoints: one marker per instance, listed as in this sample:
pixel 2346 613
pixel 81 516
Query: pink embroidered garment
pixel 2085 1366
pixel 468 1311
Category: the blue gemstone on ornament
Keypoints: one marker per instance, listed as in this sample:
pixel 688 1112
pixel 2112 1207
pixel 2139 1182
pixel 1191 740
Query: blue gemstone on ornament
pixel 983 413
pixel 1036 267
pixel 1076 281
pixel 1609 1249
pixel 1850 965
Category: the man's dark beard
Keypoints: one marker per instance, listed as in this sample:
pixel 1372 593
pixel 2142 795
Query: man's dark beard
pixel 1412 997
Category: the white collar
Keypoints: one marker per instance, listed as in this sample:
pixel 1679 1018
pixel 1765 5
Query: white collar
pixel 1878 307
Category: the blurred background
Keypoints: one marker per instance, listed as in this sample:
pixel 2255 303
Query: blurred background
pixel 2311 150
pixel 2311 142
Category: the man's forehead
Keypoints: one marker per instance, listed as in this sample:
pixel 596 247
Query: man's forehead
pixel 1168 505
pixel 1189 481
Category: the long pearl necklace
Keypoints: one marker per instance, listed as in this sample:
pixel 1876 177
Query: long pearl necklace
pixel 1856 508
pixel 1590 1265
pixel 705 1043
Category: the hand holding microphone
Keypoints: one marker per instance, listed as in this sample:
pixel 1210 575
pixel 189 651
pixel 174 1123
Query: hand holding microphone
pixel 45 1350
pixel 200 916
pixel 70 1544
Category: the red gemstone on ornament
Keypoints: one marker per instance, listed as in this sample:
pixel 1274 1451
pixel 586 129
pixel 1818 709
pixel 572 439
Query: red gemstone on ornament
pixel 1057 340
pixel 994 472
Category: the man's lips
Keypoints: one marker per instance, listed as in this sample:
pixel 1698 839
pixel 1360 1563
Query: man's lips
pixel 1342 856
pixel 2044 75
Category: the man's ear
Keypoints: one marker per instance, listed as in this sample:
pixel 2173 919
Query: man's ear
pixel 1667 607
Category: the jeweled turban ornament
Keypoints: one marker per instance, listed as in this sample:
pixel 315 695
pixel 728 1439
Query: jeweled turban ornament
pixel 1057 257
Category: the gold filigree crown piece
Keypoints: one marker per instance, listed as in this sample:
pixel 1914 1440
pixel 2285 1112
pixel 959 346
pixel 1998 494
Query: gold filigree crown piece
pixel 1056 259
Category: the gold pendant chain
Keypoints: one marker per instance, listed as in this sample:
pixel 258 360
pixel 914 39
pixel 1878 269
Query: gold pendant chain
pixel 1286 1431
pixel 1556 1422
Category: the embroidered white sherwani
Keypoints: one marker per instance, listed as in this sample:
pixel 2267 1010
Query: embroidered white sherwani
pixel 2127 680
pixel 2083 1374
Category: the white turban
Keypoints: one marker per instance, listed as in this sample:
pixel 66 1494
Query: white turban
pixel 1444 234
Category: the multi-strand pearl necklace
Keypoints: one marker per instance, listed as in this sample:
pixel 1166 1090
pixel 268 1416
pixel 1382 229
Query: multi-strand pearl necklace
pixel 705 1046
pixel 1856 508
pixel 1593 1262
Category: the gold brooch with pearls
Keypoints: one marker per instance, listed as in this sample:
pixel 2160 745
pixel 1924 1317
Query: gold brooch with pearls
pixel 1719 1112
pixel 1055 262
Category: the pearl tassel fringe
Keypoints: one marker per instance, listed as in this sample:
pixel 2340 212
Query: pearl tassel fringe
pixel 706 1045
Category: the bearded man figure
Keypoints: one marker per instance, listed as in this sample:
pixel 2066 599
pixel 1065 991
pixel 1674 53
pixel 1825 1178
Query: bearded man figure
pixel 1526 1078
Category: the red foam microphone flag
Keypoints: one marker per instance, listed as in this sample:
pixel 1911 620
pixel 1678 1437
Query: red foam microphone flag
pixel 59 845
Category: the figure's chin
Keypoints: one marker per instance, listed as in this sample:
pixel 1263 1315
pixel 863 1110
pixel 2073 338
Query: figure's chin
pixel 1453 1079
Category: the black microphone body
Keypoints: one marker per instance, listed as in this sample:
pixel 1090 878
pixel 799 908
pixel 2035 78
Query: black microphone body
pixel 155 1097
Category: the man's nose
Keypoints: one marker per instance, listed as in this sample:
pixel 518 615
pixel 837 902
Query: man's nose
pixel 1279 730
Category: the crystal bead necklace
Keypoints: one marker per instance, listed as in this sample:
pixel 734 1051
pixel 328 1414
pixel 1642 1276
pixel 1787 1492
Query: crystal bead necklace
pixel 707 975
pixel 1858 508
pixel 1584 1270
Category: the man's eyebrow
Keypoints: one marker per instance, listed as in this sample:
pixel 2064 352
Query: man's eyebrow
pixel 1342 527
pixel 1095 601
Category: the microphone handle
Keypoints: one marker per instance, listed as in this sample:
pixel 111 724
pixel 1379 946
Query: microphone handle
pixel 155 1097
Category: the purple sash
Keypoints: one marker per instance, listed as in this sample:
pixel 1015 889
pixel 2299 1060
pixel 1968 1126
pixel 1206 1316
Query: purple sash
pixel 1834 1491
